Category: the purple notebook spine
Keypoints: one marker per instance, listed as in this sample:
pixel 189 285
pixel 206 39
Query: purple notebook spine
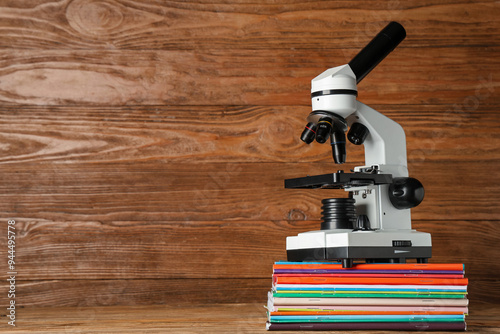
pixel 401 326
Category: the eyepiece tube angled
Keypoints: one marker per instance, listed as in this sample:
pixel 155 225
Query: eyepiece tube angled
pixel 378 48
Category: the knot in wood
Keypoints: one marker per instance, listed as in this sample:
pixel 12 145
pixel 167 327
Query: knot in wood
pixel 296 214
pixel 94 17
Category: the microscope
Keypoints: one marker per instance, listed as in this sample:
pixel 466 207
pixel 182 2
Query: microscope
pixel 373 223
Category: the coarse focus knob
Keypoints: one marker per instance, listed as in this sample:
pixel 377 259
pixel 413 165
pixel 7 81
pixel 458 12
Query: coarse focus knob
pixel 406 192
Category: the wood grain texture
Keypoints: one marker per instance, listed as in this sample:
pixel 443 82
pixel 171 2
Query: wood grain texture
pixel 133 292
pixel 141 25
pixel 221 318
pixel 65 135
pixel 218 191
pixel 189 249
pixel 241 77
pixel 74 163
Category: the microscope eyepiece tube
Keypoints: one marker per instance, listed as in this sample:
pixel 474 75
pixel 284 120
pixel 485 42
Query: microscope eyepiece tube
pixel 378 48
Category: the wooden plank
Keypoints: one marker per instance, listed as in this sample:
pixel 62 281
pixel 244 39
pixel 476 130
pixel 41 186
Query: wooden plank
pixel 222 318
pixel 135 292
pixel 58 250
pixel 145 191
pixel 193 25
pixel 100 162
pixel 229 134
pixel 241 77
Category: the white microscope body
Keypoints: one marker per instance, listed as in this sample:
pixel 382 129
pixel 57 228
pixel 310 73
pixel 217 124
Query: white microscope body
pixel 374 224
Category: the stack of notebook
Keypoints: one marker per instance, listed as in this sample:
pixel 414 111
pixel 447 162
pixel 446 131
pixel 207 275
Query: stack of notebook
pixel 323 296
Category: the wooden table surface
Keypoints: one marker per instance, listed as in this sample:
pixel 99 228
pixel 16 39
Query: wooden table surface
pixel 218 318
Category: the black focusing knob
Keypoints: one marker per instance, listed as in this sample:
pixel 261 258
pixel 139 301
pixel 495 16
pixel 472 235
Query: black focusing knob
pixel 406 192
pixel 357 133
pixel 362 223
pixel 309 133
pixel 324 129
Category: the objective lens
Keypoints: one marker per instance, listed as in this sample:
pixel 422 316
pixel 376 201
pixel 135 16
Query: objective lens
pixel 309 133
pixel 358 133
pixel 338 145
pixel 324 129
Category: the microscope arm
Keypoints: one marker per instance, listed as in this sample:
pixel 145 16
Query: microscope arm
pixel 385 145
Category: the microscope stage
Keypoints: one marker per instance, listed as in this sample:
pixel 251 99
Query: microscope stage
pixel 395 245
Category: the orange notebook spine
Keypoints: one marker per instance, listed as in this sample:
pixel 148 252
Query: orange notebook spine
pixel 377 266
pixel 368 280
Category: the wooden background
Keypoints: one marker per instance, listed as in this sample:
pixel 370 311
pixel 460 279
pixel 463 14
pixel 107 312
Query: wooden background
pixel 144 144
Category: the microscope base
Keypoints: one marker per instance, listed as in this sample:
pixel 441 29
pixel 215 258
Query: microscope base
pixel 393 246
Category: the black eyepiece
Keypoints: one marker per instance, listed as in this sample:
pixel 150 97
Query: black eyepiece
pixel 378 48
pixel 309 133
pixel 338 145
pixel 324 128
